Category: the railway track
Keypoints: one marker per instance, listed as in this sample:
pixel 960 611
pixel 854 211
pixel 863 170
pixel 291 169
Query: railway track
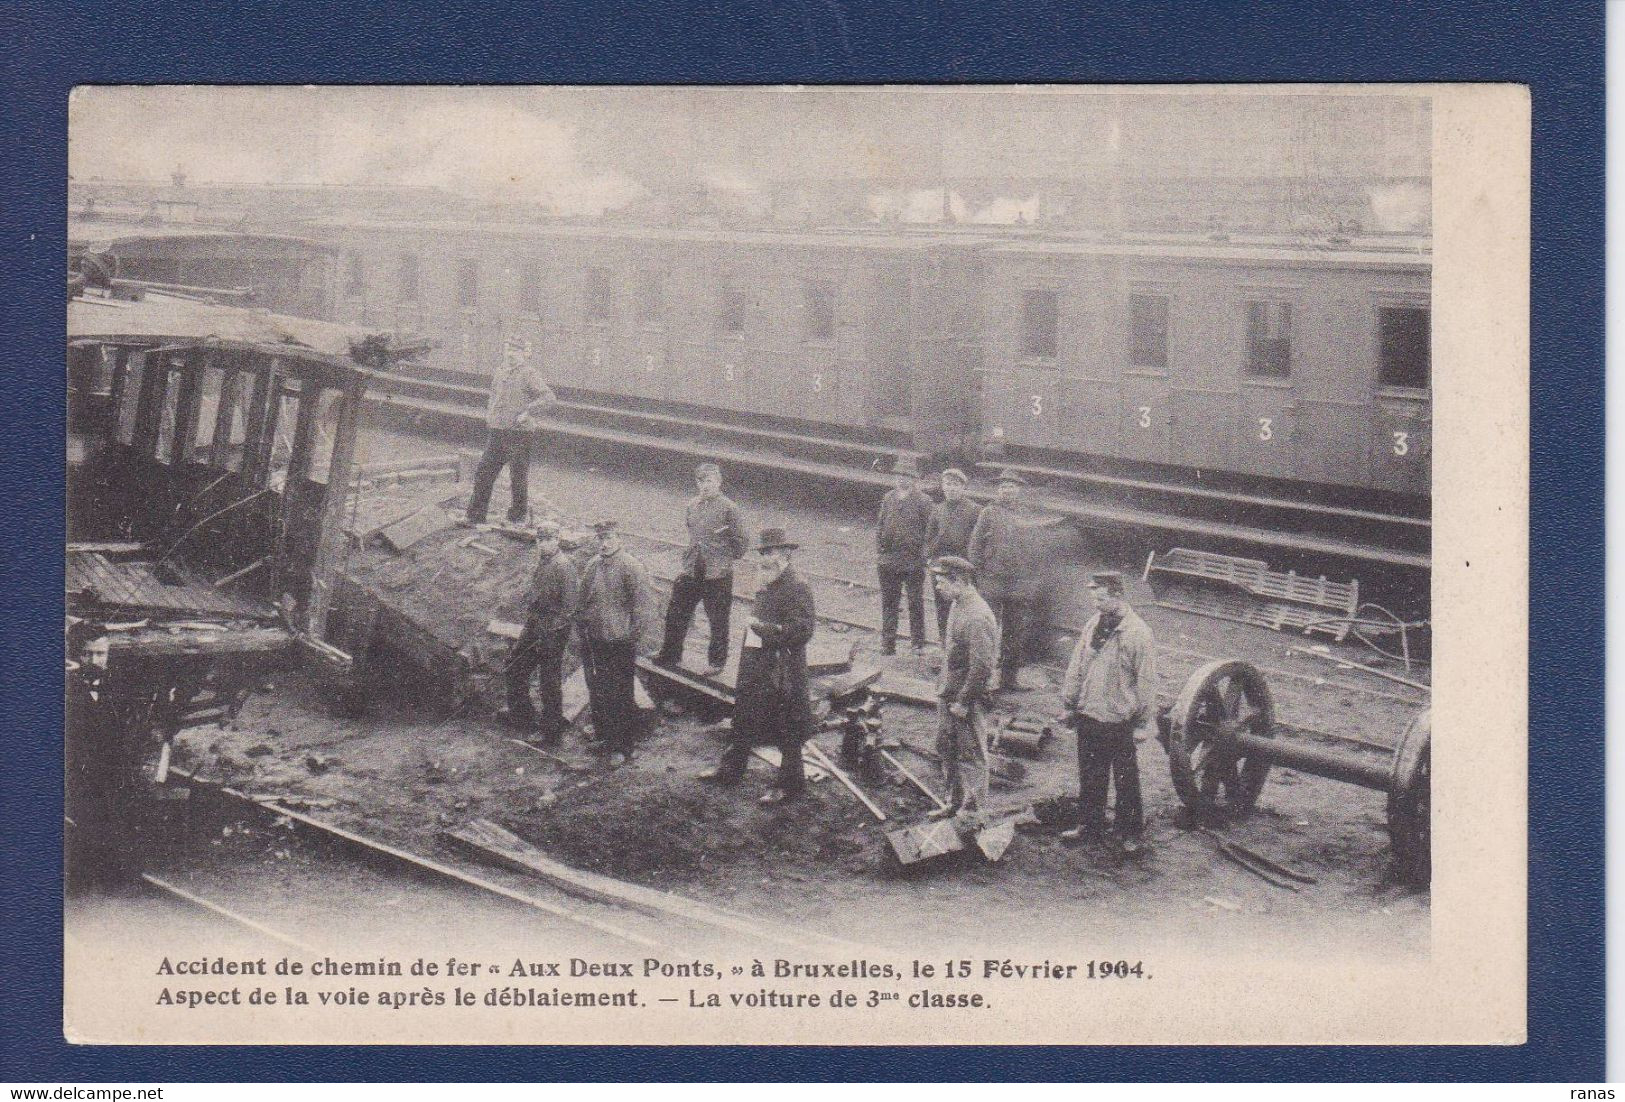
pixel 588 909
pixel 451 404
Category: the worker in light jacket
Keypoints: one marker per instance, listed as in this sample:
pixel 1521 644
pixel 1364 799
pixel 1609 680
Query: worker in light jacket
pixel 998 550
pixel 1110 691
pixel 716 539
pixel 545 638
pixel 771 707
pixel 905 513
pixel 518 395
pixel 948 533
pixel 613 614
pixel 967 666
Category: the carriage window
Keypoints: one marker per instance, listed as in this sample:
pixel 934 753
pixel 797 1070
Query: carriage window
pixel 730 309
pixel 820 301
pixel 530 289
pixel 208 411
pixel 409 277
pixel 355 276
pixel 468 284
pixel 600 298
pixel 328 407
pixel 1040 316
pixel 651 296
pixel 1406 356
pixel 1148 331
pixel 164 448
pixel 239 396
pixel 1269 340
pixel 287 420
pixel 129 401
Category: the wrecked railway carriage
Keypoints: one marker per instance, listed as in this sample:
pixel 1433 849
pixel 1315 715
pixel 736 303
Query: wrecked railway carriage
pixel 209 448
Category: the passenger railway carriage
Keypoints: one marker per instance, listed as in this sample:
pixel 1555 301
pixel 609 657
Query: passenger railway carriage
pixel 1300 363
pixel 1273 361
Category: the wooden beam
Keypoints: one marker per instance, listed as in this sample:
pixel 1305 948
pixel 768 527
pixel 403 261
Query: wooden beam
pixel 489 840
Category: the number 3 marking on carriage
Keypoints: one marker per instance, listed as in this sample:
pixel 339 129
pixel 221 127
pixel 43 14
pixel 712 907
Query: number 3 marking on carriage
pixel 1038 405
pixel 818 381
pixel 1402 443
pixel 1145 417
pixel 1266 429
pixel 649 362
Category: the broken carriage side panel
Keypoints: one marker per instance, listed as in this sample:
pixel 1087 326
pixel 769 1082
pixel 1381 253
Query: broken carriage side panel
pixel 1245 590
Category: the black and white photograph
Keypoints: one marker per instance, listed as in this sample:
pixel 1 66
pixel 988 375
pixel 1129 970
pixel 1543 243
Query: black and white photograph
pixel 795 565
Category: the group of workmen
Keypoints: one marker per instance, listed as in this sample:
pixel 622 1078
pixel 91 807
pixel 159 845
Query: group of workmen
pixel 972 555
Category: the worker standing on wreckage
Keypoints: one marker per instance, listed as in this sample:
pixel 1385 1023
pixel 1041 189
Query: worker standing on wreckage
pixel 614 613
pixel 771 707
pixel 1110 691
pixel 967 667
pixel 553 596
pixel 518 395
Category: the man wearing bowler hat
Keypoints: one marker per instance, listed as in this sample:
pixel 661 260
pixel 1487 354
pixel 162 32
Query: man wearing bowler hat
pixel 948 533
pixel 1110 691
pixel 716 538
pixel 998 550
pixel 770 703
pixel 613 612
pixel 967 666
pixel 544 640
pixel 518 394
pixel 905 513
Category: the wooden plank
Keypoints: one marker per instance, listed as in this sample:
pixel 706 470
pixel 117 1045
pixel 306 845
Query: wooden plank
pixel 912 690
pixel 504 629
pixel 496 843
pixel 153 643
pixel 686 680
pixel 105 547
pixel 403 534
pixel 851 683
pixel 827 658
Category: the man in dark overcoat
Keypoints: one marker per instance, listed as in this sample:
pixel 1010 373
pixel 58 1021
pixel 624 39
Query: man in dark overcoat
pixel 771 707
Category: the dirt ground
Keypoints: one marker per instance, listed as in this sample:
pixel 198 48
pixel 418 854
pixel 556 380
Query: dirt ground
pixel 408 770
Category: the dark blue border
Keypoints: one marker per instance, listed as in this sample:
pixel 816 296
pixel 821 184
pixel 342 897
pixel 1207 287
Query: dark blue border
pixel 1556 48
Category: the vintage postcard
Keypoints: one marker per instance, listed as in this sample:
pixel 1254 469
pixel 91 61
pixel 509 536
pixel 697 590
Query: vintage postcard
pixel 797 565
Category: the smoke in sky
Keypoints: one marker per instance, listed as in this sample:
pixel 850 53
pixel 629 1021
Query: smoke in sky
pixel 501 149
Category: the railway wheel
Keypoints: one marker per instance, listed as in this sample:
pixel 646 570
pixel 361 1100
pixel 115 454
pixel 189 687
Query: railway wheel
pixel 1410 802
pixel 1214 777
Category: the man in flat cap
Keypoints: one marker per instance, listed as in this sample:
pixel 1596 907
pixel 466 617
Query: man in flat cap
pixel 518 395
pixel 546 636
pixel 1109 692
pixel 968 647
pixel 716 538
pixel 613 612
pixel 999 551
pixel 905 512
pixel 948 533
pixel 770 703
